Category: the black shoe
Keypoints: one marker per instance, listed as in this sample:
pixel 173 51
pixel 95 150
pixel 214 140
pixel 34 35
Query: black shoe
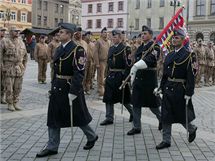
pixel 134 131
pixel 162 145
pixel 160 126
pixel 90 144
pixel 192 136
pixel 106 122
pixel 131 118
pixel 45 153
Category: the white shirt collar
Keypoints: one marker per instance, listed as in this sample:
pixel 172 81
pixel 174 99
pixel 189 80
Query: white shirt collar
pixel 178 49
pixel 64 45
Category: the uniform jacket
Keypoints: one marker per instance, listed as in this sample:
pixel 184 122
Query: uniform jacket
pixel 41 51
pixel 210 57
pixel 68 61
pixel 177 65
pixel 101 51
pixel 14 57
pixel 52 46
pixel 118 59
pixel 201 56
pixel 146 79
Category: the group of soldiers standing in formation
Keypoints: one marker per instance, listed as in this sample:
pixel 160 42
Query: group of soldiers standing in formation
pixel 122 66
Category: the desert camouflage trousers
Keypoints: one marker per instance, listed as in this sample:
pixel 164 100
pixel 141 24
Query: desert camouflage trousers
pixel 13 87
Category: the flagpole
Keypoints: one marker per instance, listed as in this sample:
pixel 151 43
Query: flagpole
pixel 187 18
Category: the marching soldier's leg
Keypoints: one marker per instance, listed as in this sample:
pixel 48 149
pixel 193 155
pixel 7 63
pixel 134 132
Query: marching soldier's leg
pixel 157 113
pixel 167 128
pixel 53 143
pixel 192 131
pixel 206 75
pixel 16 92
pixel 130 110
pixel 101 74
pixel 136 121
pixel 91 136
pixel 109 114
pixel 3 94
pixel 9 82
pixel 44 70
pixel 39 71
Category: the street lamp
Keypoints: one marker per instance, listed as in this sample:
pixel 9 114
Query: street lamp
pixel 175 3
pixel 7 16
pixel 76 17
pixel 131 27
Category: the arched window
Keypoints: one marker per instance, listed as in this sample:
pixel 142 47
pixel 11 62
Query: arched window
pixel 199 35
pixel 212 37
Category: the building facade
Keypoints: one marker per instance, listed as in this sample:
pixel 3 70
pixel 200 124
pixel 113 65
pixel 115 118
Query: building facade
pixel 16 13
pixel 74 12
pixel 202 20
pixel 97 14
pixel 48 13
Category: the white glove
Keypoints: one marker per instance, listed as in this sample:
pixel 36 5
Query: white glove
pixel 71 98
pixel 187 97
pixel 138 65
pixel 157 91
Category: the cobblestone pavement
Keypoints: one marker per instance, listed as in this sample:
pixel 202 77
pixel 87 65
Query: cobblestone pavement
pixel 24 133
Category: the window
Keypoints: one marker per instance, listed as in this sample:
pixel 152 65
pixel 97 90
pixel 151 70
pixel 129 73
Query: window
pixel 1 15
pixel 149 4
pixel 45 6
pixel 162 2
pixel 13 1
pixel 212 7
pixel 23 17
pixel 39 6
pixel 61 20
pixel 13 16
pixel 56 22
pixel 137 4
pixel 161 22
pixel 148 22
pixel 137 24
pixel 99 7
pixel 89 24
pixel 56 8
pixel 23 1
pixel 119 22
pixel 61 9
pixel 110 23
pixel 45 20
pixel 98 23
pixel 90 8
pixel 212 37
pixel 110 6
pixel 200 7
pixel 38 20
pixel 120 5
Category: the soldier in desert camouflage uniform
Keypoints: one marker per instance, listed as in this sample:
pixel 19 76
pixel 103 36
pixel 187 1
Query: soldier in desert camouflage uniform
pixel 14 59
pixel 52 46
pixel 41 56
pixel 210 56
pixel 89 69
pixel 201 58
pixel 3 101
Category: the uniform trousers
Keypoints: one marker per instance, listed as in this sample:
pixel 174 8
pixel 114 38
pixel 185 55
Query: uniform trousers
pixel 137 116
pixel 167 129
pixel 54 136
pixel 110 110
